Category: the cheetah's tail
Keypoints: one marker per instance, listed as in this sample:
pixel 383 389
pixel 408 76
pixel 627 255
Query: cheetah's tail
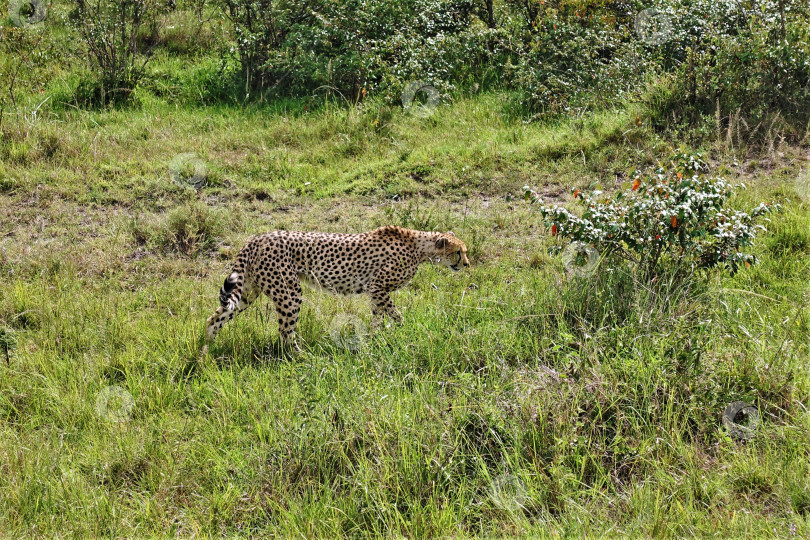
pixel 231 291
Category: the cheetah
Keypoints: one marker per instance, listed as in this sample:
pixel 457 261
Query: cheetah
pixel 374 263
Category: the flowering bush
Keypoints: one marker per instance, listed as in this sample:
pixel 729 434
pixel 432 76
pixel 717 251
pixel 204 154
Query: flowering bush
pixel 677 215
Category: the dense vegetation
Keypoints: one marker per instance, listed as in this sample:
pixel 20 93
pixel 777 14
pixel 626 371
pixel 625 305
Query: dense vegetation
pixel 739 61
pixel 573 382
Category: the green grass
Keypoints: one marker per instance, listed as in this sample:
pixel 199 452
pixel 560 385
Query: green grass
pixel 595 405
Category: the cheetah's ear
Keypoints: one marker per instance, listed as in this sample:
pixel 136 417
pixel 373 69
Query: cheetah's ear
pixel 450 233
pixel 441 243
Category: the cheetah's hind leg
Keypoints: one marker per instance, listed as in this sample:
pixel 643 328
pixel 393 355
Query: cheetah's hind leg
pixel 222 315
pixel 287 299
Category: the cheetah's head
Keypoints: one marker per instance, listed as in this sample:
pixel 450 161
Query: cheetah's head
pixel 450 251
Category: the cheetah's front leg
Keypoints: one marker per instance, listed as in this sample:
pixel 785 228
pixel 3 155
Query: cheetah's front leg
pixel 381 304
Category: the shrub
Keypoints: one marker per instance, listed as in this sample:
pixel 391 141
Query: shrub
pixel 295 47
pixel 188 230
pixel 567 50
pixel 675 217
pixel 110 30
pixel 717 57
pixel 191 230
pixel 735 63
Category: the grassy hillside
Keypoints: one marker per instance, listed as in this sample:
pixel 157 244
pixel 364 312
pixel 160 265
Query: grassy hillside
pixel 516 399
pixel 512 400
